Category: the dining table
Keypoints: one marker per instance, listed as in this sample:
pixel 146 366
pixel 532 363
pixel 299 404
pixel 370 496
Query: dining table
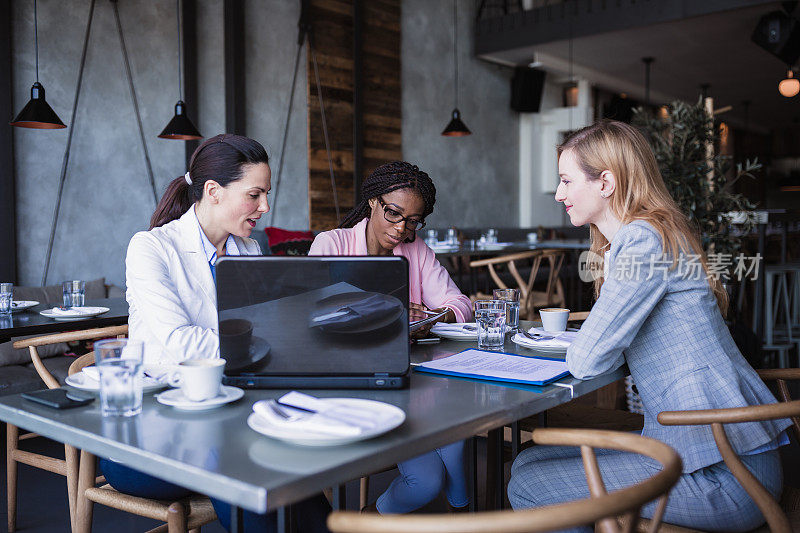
pixel 215 452
pixel 31 322
pixel 472 248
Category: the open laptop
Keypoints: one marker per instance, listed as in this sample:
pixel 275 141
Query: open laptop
pixel 314 322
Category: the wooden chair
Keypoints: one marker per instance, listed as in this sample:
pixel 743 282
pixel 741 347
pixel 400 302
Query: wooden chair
pixel 180 516
pixel 530 299
pixel 602 507
pixel 68 466
pixel 780 518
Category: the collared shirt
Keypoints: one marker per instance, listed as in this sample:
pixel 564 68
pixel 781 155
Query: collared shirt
pixel 211 251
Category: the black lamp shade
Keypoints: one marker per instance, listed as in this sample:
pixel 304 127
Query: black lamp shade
pixel 37 113
pixel 180 127
pixel 456 128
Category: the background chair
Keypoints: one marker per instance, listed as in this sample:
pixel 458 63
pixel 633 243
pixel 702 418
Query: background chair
pixel 180 516
pixel 601 507
pixel 530 299
pixel 68 466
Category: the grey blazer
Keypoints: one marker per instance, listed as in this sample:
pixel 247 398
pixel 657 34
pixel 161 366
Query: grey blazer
pixel 678 349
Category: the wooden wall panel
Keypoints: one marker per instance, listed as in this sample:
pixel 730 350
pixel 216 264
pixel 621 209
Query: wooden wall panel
pixel 332 36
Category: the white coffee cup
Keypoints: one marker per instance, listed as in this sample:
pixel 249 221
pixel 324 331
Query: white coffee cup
pixel 199 379
pixel 554 319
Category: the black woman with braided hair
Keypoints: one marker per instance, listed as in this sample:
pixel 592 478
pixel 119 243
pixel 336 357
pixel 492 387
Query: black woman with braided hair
pixel 397 197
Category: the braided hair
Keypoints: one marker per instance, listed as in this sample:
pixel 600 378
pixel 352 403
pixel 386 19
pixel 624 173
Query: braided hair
pixel 387 178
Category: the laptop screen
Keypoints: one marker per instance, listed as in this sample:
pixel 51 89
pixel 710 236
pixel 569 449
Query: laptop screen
pixel 301 316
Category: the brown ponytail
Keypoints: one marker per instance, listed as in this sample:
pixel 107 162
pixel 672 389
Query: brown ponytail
pixel 173 204
pixel 221 158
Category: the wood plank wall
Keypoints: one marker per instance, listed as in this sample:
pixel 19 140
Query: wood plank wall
pixel 332 31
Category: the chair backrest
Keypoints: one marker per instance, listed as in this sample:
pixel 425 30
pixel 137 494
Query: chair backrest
pixel 32 343
pixel 600 507
pixel 529 299
pixel 776 518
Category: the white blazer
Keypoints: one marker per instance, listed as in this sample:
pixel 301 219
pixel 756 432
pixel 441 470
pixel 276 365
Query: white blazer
pixel 171 294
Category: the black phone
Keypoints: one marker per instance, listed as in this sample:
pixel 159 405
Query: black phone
pixel 58 398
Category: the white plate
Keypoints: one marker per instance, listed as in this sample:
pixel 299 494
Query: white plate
pixel 81 381
pixel 175 398
pixel 19 305
pixel 88 312
pixel 524 342
pixel 449 331
pixel 390 418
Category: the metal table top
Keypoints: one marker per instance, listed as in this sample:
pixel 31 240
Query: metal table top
pixel 216 453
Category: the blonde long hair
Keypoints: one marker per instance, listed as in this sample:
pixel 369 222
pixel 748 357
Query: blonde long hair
pixel 640 192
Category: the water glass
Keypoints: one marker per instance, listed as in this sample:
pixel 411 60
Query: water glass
pixel 511 298
pixel 452 236
pixel 491 236
pixel 432 237
pixel 6 296
pixel 74 293
pixel 490 317
pixel 119 362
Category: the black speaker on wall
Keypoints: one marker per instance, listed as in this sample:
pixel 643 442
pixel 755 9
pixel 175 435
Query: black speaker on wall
pixel 779 34
pixel 527 86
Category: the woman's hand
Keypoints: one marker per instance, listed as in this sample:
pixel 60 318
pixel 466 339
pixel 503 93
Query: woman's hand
pixel 418 312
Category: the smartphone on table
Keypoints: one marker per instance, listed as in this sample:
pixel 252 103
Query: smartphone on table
pixel 58 398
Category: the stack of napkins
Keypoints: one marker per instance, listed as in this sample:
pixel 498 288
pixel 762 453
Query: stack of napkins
pixel 313 415
pixel 558 341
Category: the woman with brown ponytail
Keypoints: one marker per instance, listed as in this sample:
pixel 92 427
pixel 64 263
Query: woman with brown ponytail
pixel 397 197
pixel 170 273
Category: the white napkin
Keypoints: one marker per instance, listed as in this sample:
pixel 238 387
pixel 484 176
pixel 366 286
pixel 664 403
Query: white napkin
pixel 456 327
pixel 91 372
pixel 561 340
pixel 303 421
pixel 72 311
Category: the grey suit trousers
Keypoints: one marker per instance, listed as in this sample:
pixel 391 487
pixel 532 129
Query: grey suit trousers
pixel 709 498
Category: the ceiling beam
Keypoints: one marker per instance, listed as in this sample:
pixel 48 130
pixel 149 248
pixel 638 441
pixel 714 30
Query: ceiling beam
pixel 574 18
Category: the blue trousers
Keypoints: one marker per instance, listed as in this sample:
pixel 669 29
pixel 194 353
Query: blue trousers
pixel 422 478
pixel 311 513
pixel 710 498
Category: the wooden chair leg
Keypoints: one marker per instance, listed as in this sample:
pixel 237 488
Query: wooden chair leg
pixel 12 441
pixel 71 457
pixel 83 505
pixel 363 494
pixel 176 518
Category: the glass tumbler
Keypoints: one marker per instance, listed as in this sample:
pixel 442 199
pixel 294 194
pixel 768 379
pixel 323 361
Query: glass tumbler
pixel 511 298
pixel 74 293
pixel 119 362
pixel 490 317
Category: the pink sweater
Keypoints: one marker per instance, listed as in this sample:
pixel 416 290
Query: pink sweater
pixel 428 281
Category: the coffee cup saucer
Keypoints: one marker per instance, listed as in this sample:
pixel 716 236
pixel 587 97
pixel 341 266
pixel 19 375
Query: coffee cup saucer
pixel 176 399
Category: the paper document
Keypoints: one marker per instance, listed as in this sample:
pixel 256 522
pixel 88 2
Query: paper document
pixel 498 367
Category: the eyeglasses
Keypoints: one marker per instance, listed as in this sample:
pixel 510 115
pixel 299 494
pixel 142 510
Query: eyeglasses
pixel 395 217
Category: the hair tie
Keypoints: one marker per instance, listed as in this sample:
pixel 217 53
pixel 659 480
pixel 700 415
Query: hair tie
pixel 187 178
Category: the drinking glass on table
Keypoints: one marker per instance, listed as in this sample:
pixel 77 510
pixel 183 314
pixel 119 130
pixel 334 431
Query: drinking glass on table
pixel 6 297
pixel 119 362
pixel 74 293
pixel 491 236
pixel 433 237
pixel 511 298
pixel 452 236
pixel 490 317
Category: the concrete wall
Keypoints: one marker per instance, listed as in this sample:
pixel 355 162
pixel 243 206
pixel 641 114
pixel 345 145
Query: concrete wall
pixel 107 197
pixel 476 176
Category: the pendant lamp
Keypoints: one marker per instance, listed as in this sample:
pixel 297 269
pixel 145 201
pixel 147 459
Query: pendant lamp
pixel 789 86
pixel 180 127
pixel 37 113
pixel 456 128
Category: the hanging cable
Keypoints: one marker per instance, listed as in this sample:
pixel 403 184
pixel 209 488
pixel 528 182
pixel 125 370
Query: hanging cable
pixel 300 41
pixel 65 161
pixel 325 130
pixel 455 51
pixel 36 38
pixel 135 103
pixel 180 50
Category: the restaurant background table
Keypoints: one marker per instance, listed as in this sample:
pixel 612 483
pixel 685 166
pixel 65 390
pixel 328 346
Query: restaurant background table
pixel 215 453
pixel 30 322
pixel 474 249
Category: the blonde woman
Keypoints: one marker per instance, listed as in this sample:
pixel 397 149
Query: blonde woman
pixel 664 318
